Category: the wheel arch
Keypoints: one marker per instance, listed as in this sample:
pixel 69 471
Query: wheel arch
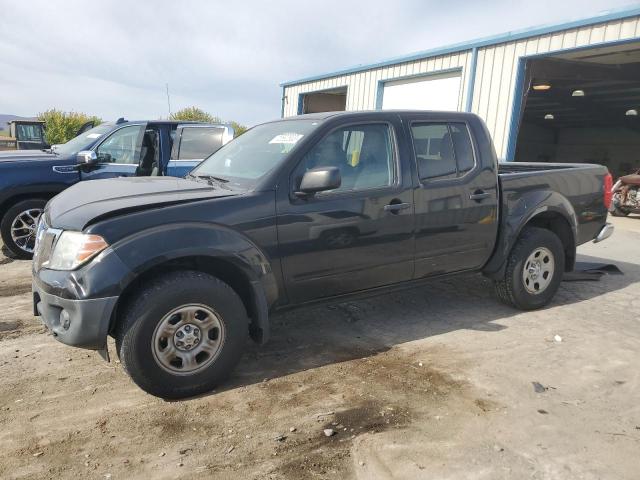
pixel 210 248
pixel 540 208
pixel 249 291
pixel 9 202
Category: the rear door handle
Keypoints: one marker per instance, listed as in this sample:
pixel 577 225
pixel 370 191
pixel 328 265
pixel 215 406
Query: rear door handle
pixel 479 195
pixel 396 207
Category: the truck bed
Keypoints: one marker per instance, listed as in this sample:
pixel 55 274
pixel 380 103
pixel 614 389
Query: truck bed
pixel 579 184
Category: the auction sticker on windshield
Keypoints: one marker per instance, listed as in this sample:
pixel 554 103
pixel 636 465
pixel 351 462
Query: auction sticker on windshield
pixel 287 138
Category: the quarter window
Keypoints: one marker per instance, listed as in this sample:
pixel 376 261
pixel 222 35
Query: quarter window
pixel 123 146
pixel 197 143
pixel 443 150
pixel 363 153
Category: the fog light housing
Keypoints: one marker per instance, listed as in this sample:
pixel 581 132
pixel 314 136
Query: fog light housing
pixel 65 319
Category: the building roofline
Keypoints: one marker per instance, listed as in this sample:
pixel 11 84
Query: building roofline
pixel 609 15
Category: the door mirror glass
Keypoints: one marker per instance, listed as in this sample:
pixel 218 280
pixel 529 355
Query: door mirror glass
pixel 87 158
pixel 320 180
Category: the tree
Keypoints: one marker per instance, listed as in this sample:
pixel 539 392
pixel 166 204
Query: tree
pixel 238 128
pixel 194 114
pixel 63 126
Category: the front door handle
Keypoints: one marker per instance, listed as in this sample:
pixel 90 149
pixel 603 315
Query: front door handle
pixel 396 207
pixel 479 195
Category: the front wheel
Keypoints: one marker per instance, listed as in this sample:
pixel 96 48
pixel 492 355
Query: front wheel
pixel 18 227
pixel 182 334
pixel 534 270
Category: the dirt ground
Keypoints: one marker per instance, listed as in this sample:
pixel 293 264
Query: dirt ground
pixel 440 382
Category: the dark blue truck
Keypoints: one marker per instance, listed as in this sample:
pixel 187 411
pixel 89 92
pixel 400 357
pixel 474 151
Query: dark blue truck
pixel 28 178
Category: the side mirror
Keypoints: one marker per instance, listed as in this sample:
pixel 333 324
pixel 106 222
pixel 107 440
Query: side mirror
pixel 86 158
pixel 319 180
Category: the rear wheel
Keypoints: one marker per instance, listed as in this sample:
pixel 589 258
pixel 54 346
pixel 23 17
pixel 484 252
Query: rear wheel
pixel 18 227
pixel 534 270
pixel 182 335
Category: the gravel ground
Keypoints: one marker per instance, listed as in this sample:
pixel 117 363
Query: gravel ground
pixel 435 382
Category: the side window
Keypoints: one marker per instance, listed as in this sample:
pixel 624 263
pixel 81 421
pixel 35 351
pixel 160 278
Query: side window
pixel 442 150
pixel 123 146
pixel 363 153
pixel 462 147
pixel 197 143
pixel 434 150
pixel 29 133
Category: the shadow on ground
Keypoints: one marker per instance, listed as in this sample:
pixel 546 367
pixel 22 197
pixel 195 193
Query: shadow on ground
pixel 309 338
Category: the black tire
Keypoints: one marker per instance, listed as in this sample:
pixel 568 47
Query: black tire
pixel 618 212
pixel 512 290
pixel 7 221
pixel 143 313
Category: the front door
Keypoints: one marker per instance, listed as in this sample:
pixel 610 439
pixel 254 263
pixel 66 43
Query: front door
pixel 456 203
pixel 358 236
pixel 118 155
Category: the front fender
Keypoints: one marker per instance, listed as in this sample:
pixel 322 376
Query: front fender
pixel 154 246
pixel 516 214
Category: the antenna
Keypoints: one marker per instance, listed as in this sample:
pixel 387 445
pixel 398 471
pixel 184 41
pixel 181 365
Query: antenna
pixel 168 100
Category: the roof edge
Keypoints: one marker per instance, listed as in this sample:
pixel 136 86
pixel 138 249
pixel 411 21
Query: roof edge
pixel 609 15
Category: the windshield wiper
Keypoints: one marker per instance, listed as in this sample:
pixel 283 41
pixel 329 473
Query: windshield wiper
pixel 209 178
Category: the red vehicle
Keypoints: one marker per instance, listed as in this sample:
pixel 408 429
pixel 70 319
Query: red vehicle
pixel 626 195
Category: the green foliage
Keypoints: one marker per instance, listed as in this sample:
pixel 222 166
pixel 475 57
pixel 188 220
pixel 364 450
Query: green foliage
pixel 63 126
pixel 195 114
pixel 239 129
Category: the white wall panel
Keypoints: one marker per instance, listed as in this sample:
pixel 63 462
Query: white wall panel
pixel 495 77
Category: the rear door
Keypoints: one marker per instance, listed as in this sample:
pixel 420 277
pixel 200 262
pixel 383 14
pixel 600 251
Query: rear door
pixel 118 154
pixel 456 202
pixel 194 143
pixel 360 235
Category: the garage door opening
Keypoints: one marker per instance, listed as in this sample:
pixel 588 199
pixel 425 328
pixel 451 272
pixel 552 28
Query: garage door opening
pixel 325 101
pixel 583 106
pixel 433 92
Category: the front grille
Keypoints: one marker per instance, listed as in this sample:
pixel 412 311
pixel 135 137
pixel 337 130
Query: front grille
pixel 45 240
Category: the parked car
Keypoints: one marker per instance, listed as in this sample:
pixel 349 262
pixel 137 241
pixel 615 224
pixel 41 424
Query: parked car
pixel 180 272
pixel 24 135
pixel 626 195
pixel 121 149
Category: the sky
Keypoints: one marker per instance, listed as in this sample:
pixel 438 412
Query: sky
pixel 114 58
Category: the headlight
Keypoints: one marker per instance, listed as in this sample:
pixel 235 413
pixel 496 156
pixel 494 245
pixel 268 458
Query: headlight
pixel 74 248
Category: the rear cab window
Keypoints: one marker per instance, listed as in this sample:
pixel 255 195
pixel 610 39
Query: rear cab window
pixel 442 150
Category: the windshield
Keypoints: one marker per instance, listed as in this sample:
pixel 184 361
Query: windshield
pixel 84 140
pixel 256 152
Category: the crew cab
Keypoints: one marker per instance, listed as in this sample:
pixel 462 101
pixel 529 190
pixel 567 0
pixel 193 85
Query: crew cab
pixel 122 149
pixel 316 208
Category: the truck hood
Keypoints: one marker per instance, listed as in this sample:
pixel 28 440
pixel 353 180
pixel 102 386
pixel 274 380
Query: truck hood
pixel 91 201
pixel 26 155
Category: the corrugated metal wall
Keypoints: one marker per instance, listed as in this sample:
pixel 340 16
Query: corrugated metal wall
pixel 362 86
pixel 498 64
pixel 495 79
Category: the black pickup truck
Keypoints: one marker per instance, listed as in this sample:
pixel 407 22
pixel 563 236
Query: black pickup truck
pixel 315 208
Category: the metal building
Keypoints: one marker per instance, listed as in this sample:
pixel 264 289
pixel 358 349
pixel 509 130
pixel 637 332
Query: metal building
pixel 543 92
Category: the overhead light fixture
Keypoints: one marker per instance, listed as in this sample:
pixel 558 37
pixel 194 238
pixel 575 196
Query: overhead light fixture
pixel 549 116
pixel 577 93
pixel 541 86
pixel 631 113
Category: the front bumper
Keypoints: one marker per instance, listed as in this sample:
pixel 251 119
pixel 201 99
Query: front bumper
pixel 605 232
pixel 80 323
